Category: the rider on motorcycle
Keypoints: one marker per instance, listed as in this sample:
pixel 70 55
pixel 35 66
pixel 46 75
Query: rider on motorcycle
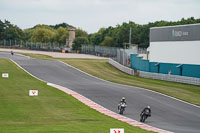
pixel 123 100
pixel 144 110
pixel 12 53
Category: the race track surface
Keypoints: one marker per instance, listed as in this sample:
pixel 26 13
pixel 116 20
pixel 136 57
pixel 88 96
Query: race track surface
pixel 167 113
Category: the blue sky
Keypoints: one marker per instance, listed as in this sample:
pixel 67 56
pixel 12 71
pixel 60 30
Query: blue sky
pixel 90 15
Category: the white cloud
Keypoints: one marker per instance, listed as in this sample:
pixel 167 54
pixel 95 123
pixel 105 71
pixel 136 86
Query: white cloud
pixel 94 14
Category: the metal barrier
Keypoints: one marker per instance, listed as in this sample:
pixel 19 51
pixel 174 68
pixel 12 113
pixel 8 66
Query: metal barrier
pixel 99 50
pixel 173 78
pixel 121 67
pixel 165 77
pixel 118 54
pixel 30 45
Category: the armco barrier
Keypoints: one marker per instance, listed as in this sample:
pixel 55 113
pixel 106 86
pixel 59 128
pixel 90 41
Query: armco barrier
pixel 121 67
pixel 173 78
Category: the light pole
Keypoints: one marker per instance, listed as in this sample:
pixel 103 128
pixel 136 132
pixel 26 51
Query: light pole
pixel 130 36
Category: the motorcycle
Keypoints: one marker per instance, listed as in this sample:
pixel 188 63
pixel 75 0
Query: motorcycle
pixel 122 108
pixel 144 115
pixel 12 53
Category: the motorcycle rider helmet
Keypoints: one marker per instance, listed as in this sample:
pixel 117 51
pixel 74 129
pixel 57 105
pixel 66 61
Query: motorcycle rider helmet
pixel 148 107
pixel 123 99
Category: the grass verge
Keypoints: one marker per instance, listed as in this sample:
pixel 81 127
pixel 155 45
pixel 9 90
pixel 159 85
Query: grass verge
pixel 52 111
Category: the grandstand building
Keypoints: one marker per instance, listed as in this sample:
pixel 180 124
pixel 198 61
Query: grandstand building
pixel 173 50
pixel 175 44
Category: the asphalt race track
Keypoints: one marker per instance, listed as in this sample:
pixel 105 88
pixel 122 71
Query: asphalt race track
pixel 167 113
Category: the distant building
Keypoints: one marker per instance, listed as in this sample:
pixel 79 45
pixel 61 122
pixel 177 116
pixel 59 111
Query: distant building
pixel 173 50
pixel 175 44
pixel 71 36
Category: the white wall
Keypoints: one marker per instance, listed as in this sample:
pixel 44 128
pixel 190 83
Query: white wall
pixel 183 52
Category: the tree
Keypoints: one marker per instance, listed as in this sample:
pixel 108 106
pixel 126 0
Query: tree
pixel 111 36
pixel 96 38
pixel 140 33
pixel 9 31
pixel 61 35
pixel 28 34
pixel 13 33
pixel 108 41
pixel 64 25
pixel 2 29
pixel 81 33
pixel 43 34
pixel 78 42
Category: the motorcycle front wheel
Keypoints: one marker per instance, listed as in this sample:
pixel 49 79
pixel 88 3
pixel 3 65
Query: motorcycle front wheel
pixel 143 118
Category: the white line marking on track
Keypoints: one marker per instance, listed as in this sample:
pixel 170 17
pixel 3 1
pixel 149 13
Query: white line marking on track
pixel 27 71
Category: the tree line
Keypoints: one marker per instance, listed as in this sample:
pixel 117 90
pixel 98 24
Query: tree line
pixel 56 34
pixel 119 35
pixel 112 36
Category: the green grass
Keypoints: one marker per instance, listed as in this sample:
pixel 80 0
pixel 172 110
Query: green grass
pixel 52 111
pixel 102 69
pixel 37 56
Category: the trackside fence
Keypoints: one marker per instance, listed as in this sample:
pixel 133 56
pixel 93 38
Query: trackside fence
pixel 158 76
pixel 118 54
pixel 49 46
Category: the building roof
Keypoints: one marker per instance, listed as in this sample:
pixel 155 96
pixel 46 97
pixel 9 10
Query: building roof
pixel 174 26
